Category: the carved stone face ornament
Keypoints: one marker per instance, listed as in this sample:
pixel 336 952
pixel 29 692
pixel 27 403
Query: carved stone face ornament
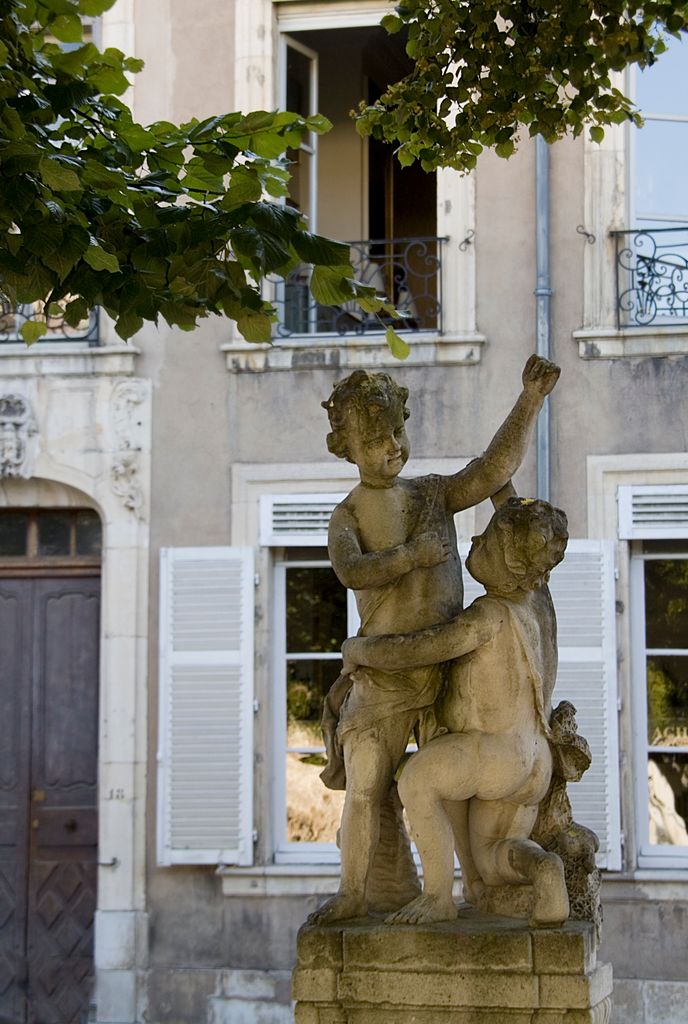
pixel 16 425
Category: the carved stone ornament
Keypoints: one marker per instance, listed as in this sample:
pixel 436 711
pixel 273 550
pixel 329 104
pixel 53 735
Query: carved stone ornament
pixel 17 425
pixel 127 397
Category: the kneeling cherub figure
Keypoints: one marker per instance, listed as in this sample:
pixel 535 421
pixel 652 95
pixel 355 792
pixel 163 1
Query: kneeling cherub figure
pixel 477 788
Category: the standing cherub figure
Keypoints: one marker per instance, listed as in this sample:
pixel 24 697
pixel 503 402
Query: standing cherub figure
pixel 393 542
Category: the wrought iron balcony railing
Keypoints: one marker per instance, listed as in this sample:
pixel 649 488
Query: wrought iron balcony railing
pixel 651 276
pixel 407 271
pixel 12 318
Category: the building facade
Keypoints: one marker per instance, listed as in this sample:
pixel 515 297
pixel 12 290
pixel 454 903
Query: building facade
pixel 165 506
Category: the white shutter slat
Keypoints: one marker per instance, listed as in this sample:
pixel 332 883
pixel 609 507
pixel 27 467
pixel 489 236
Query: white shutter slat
pixel 653 512
pixel 582 588
pixel 296 519
pixel 205 783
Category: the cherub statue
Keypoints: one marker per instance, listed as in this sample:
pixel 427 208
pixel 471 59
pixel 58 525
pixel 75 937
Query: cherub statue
pixel 477 788
pixel 393 541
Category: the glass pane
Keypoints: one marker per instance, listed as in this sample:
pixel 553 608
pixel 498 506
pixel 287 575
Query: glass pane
pixel 666 603
pixel 54 530
pixel 662 88
pixel 661 157
pixel 667 701
pixel 313 811
pixel 299 98
pixel 316 611
pixel 667 776
pixel 88 533
pixel 307 686
pixel 13 527
pixel 300 168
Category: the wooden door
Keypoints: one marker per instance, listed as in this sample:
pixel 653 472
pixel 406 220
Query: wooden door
pixel 49 630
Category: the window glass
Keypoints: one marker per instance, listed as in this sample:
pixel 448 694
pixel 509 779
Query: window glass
pixel 316 610
pixel 667 701
pixel 666 603
pixel 663 88
pixel 88 533
pixel 54 533
pixel 666 679
pixel 315 627
pixel 661 158
pixel 661 145
pixel 13 533
pixel 668 792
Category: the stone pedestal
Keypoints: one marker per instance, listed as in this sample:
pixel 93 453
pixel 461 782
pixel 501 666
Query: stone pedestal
pixel 477 970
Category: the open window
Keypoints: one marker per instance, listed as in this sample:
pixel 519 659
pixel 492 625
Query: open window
pixel 354 189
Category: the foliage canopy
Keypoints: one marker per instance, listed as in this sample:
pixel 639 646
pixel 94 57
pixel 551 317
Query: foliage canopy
pixel 96 210
pixel 485 69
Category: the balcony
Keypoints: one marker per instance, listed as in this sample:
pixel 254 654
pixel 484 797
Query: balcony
pixel 12 318
pixel 407 271
pixel 651 277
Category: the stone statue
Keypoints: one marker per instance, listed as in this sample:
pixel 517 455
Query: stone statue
pixel 477 789
pixel 393 542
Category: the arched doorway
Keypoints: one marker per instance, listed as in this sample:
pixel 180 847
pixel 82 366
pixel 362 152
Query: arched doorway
pixel 49 680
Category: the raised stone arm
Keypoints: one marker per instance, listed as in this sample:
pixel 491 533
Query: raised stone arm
pixel 482 477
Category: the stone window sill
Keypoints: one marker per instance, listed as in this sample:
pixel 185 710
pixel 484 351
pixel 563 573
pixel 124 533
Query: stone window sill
pixel 351 352
pixel 66 359
pixel 624 343
pixel 323 880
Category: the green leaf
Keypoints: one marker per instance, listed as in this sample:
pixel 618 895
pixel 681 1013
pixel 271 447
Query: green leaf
pixel 323 251
pixel 397 346
pixel 392 24
pixel 32 330
pixel 332 286
pixel 505 149
pixel 92 8
pixel 256 327
pixel 99 259
pixel 67 28
pixel 127 325
pixel 596 133
pixel 58 177
pixel 4 53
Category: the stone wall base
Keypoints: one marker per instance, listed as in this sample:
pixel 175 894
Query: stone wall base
pixel 477 970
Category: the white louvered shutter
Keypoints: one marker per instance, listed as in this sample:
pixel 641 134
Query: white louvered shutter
pixel 296 519
pixel 582 589
pixel 657 512
pixel 205 776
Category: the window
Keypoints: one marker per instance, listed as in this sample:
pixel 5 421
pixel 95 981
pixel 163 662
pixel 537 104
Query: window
pixel 313 616
pixel 659 576
pixel 661 145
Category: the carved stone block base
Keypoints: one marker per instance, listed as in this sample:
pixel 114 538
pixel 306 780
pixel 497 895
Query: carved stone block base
pixel 476 970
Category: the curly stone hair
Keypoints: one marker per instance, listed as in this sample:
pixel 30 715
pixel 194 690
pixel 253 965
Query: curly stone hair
pixel 367 395
pixel 537 533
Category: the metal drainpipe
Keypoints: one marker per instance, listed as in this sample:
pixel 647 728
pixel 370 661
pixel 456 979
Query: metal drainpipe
pixel 543 294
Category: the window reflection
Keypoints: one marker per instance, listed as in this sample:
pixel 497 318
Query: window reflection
pixel 316 626
pixel 666 602
pixel 668 799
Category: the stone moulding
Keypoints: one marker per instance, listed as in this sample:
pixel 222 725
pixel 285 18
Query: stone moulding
pixel 17 426
pixel 476 970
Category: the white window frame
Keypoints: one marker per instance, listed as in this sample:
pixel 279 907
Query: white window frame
pixel 287 852
pixel 608 207
pixel 606 475
pixel 259 24
pixel 650 855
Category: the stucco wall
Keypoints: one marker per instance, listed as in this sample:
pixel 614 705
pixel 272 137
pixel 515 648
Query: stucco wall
pixel 206 418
